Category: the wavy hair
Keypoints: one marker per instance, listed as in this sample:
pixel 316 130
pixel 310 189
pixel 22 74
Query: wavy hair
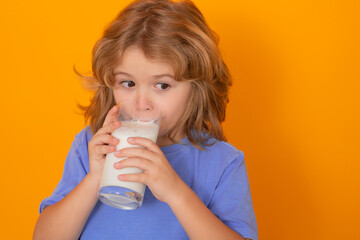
pixel 172 31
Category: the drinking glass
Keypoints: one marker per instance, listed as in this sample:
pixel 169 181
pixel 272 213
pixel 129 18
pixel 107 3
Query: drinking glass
pixel 134 123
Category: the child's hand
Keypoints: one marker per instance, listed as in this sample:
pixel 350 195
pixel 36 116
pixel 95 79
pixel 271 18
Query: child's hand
pixel 102 143
pixel 158 174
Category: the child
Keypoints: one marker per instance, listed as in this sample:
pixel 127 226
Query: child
pixel 162 55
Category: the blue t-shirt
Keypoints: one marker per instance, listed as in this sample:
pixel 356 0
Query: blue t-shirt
pixel 217 175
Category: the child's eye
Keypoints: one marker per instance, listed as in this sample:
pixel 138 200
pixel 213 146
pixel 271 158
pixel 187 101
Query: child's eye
pixel 128 84
pixel 162 86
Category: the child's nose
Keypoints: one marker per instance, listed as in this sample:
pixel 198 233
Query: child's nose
pixel 143 102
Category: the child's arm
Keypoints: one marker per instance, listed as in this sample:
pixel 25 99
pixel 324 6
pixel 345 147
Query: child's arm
pixel 197 220
pixel 66 218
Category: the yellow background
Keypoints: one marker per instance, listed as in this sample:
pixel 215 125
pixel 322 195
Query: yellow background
pixel 294 108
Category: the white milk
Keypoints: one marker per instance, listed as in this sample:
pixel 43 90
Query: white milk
pixel 128 129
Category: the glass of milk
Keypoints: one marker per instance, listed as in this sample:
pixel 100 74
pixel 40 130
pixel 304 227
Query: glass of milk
pixel 134 123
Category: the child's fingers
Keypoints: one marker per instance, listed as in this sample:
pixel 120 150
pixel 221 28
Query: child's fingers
pixel 102 144
pixel 136 177
pixel 144 142
pixel 109 128
pixel 137 152
pixel 141 163
pixel 105 139
pixel 111 116
pixel 104 149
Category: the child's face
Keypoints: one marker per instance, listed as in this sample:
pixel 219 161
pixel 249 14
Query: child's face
pixel 151 85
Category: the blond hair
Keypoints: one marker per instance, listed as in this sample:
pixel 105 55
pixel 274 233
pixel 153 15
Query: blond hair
pixel 177 33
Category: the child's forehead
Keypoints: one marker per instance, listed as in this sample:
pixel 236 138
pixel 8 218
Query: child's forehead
pixel 133 59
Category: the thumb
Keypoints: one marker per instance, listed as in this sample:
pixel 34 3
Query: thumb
pixel 112 115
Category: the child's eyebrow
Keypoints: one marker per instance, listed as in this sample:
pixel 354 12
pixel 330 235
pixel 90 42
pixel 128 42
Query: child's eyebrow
pixel 127 74
pixel 155 76
pixel 164 75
